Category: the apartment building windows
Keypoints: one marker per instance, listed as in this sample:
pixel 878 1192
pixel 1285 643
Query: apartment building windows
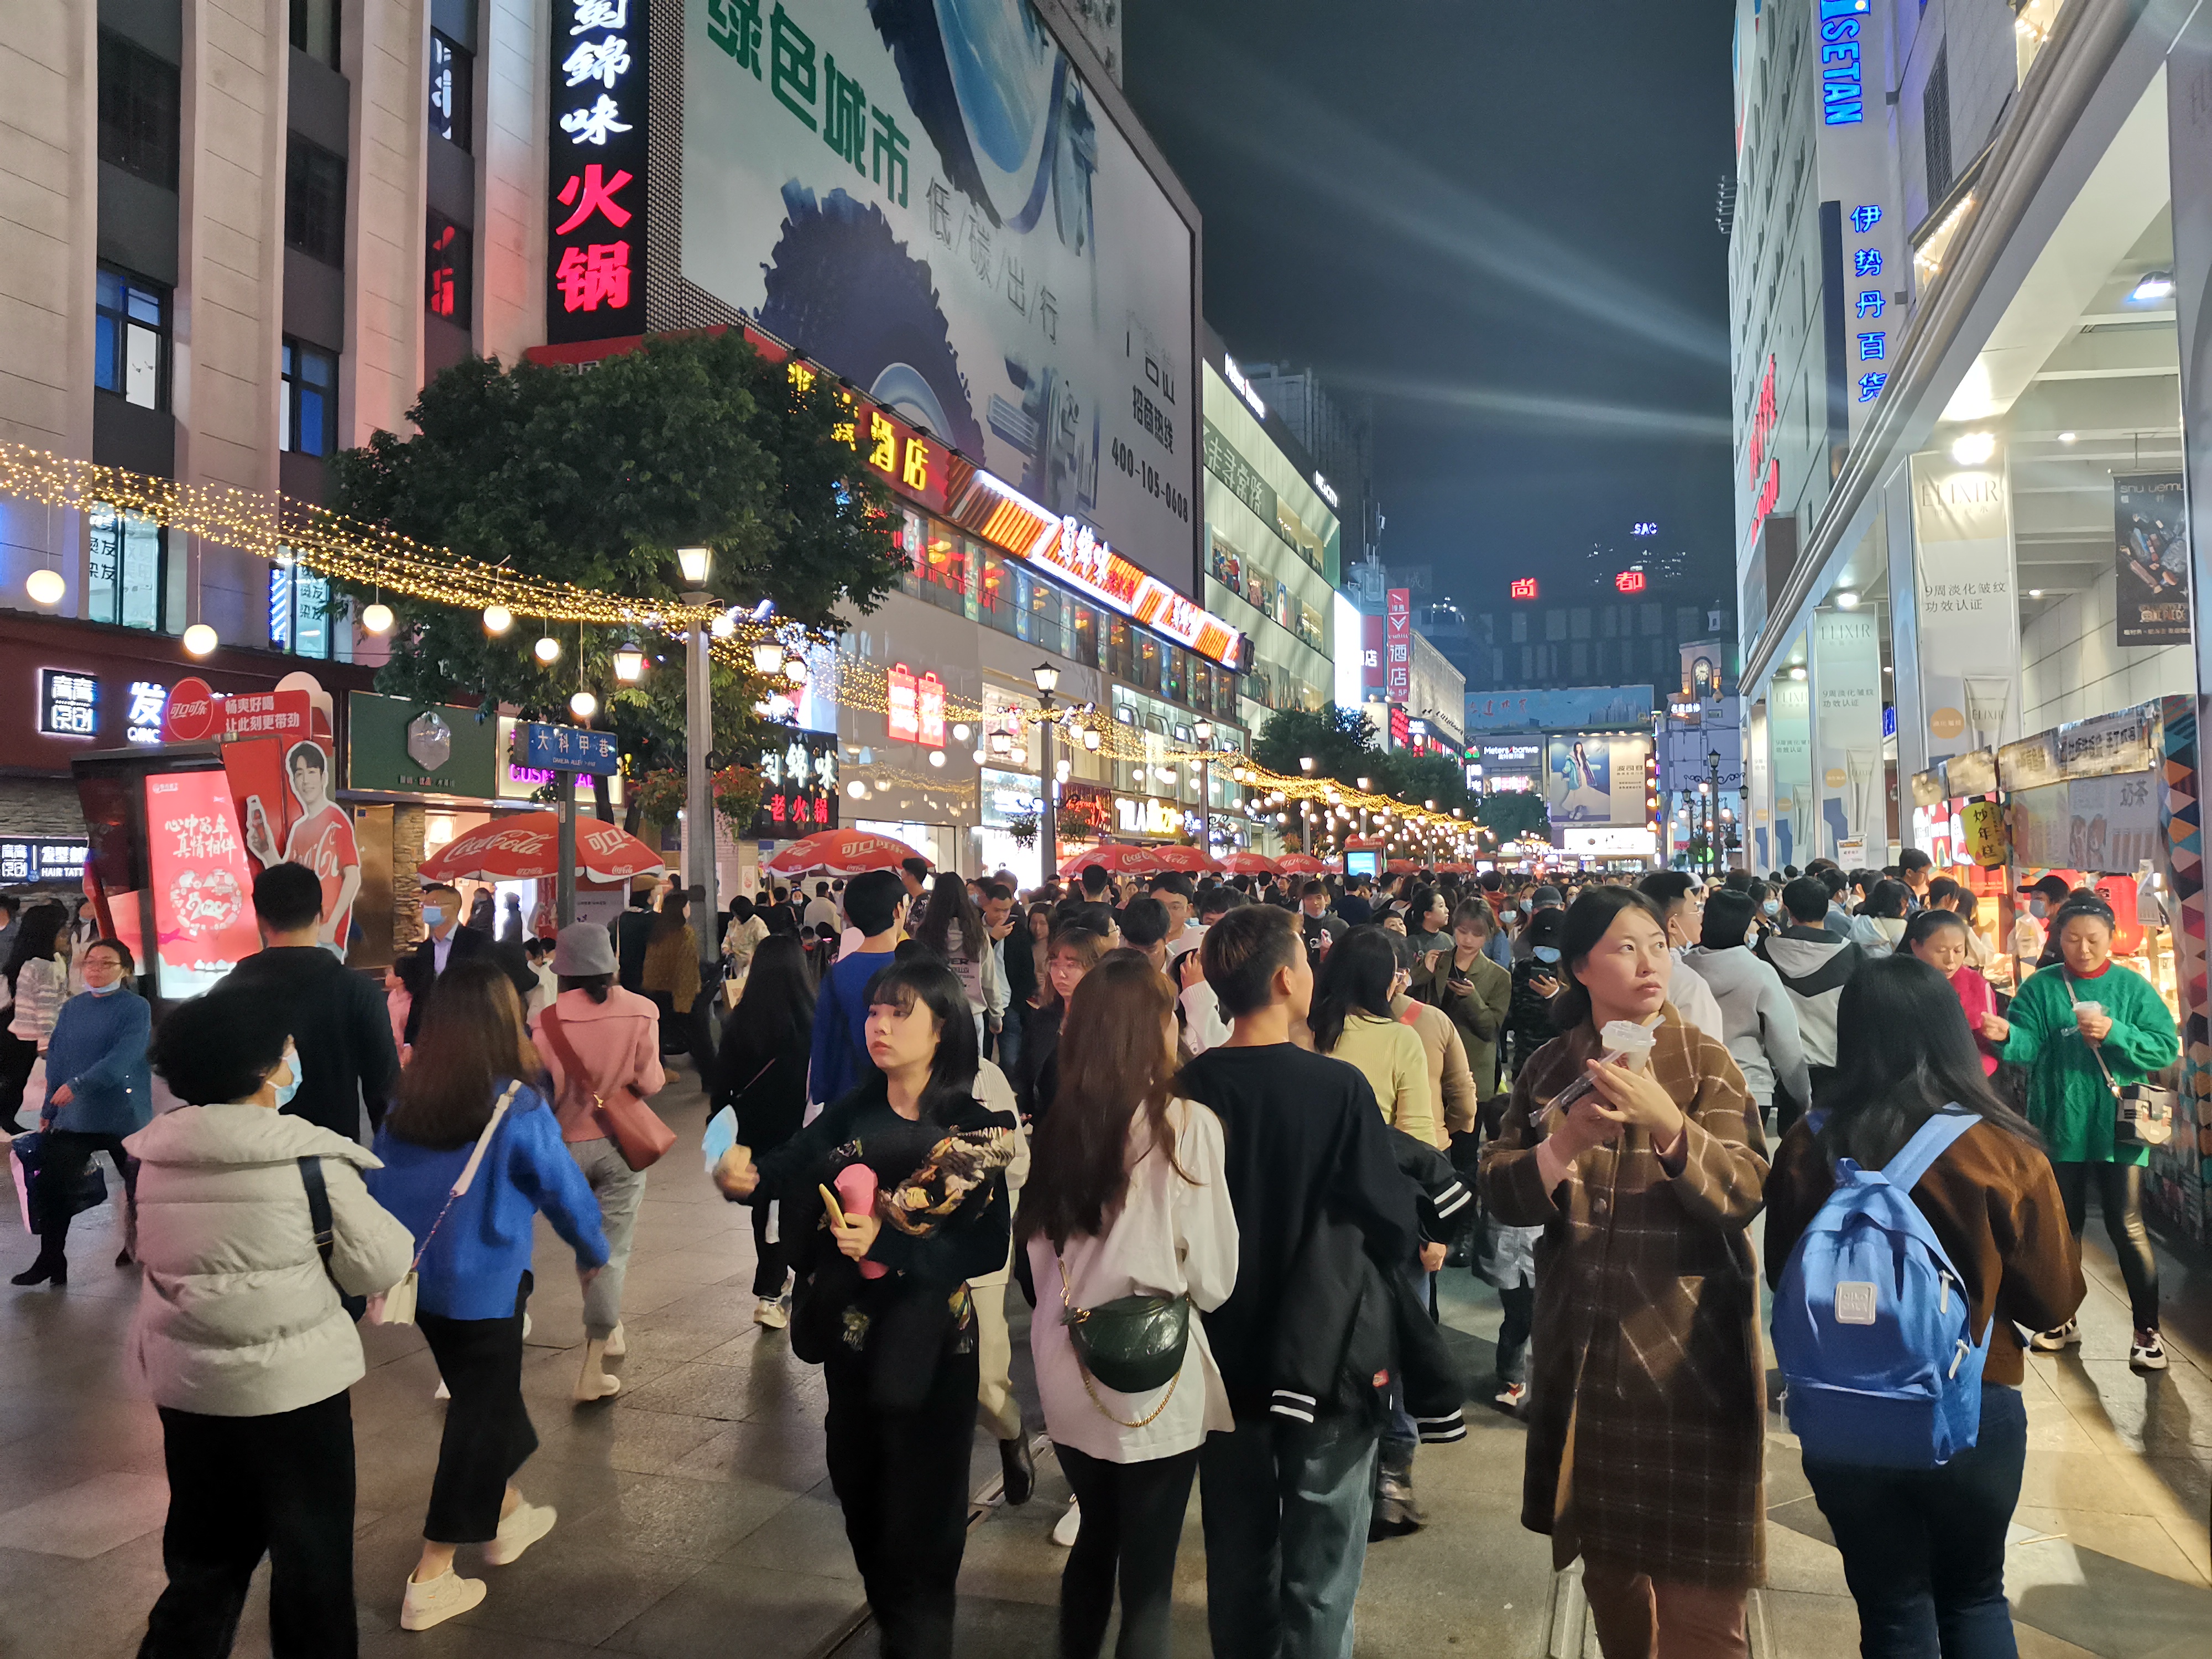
pixel 314 201
pixel 307 423
pixel 124 574
pixel 453 72
pixel 138 110
pixel 315 30
pixel 449 262
pixel 131 339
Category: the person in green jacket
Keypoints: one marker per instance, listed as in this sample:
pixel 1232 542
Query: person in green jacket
pixel 1473 990
pixel 2084 1007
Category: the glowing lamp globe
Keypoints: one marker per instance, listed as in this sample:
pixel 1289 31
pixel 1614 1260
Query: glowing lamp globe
pixel 547 650
pixel 583 705
pixel 497 619
pixel 377 618
pixel 46 586
pixel 200 639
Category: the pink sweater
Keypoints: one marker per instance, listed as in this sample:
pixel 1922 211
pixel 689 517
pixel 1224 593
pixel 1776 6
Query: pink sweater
pixel 616 1042
pixel 1977 999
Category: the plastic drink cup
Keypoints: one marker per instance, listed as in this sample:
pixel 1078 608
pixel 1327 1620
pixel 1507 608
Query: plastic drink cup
pixel 2096 1009
pixel 1632 1041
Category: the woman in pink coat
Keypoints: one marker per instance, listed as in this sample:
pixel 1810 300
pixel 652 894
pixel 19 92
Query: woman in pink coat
pixel 596 1040
pixel 1939 938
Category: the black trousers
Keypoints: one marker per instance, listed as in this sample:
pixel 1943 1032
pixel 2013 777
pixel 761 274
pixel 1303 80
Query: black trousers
pixel 241 1488
pixel 16 1058
pixel 65 1155
pixel 1513 1332
pixel 688 1034
pixel 2119 1195
pixel 488 1430
pixel 1131 1525
pixel 902 1478
pixel 770 1270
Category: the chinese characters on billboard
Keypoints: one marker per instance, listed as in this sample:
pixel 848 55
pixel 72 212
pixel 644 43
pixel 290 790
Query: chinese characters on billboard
pixel 1398 645
pixel 798 786
pixel 203 882
pixel 595 231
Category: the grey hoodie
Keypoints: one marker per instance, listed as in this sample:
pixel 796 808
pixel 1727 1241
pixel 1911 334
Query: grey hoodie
pixel 1758 1021
pixel 236 1316
pixel 1815 966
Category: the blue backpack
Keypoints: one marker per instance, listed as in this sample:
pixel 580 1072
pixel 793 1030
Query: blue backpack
pixel 1873 1329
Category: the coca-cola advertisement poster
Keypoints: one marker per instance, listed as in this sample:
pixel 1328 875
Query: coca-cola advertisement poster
pixel 202 878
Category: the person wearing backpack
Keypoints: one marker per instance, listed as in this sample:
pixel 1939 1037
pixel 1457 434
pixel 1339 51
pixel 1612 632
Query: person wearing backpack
pixel 1922 1546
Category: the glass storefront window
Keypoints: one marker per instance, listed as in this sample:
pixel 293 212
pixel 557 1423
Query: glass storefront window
pixel 994 603
pixel 1172 680
pixel 1148 674
pixel 1084 626
pixel 943 570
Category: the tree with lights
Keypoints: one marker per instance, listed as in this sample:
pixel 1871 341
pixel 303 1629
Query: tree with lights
pixel 1513 815
pixel 596 479
pixel 1340 743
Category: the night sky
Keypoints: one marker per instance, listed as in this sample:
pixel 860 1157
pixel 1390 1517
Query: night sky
pixel 1495 217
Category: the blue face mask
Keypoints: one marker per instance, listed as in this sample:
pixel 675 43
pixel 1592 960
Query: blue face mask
pixel 433 915
pixel 1773 906
pixel 286 1090
pixel 108 990
pixel 1544 952
pixel 2037 907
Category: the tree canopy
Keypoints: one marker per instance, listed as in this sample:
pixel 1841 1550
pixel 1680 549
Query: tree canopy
pixel 597 478
pixel 1341 741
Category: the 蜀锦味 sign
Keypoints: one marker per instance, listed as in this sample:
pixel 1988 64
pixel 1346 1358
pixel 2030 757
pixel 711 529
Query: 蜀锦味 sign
pixel 595 241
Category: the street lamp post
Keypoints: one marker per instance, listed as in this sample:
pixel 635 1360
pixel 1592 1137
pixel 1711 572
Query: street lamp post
pixel 1204 732
pixel 1047 681
pixel 697 564
pixel 1713 811
pixel 1305 811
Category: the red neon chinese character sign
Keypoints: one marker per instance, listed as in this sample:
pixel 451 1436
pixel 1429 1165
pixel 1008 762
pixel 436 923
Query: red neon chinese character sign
pixel 598 151
pixel 1524 588
pixel 903 711
pixel 1629 581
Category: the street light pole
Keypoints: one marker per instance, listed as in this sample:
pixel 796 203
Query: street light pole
pixel 1047 681
pixel 1713 808
pixel 1204 732
pixel 697 564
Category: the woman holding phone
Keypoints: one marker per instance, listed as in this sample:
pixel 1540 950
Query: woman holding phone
pixel 900 1358
pixel 1647 1425
pixel 2080 1029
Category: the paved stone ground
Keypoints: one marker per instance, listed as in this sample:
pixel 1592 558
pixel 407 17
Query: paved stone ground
pixel 696 1516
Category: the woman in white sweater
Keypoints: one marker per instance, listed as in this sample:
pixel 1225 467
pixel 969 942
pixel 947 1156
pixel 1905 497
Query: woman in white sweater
pixel 1758 1020
pixel 1126 1194
pixel 241 1337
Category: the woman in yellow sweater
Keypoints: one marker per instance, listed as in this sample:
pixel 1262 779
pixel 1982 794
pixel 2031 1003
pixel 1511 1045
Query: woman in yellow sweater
pixel 1352 1022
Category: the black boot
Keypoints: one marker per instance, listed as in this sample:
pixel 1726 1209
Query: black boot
pixel 47 1267
pixel 1395 1512
pixel 1019 1469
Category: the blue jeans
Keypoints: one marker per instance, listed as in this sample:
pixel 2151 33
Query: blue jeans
pixel 1923 1549
pixel 1287 1507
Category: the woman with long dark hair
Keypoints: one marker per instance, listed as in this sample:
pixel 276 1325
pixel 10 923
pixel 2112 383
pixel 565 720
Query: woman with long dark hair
pixel 463 1088
pixel 1941 938
pixel 671 978
pixel 1126 1197
pixel 2080 1028
pixel 1428 919
pixel 1075 950
pixel 898 1348
pixel 952 927
pixel 37 988
pixel 766 1042
pixel 1647 1410
pixel 598 1040
pixel 1350 1019
pixel 1923 1549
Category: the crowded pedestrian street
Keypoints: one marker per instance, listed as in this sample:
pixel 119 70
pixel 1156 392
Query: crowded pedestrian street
pixel 696 1517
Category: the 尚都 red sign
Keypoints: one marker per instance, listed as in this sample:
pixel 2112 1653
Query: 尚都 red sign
pixel 1629 581
pixel 1524 588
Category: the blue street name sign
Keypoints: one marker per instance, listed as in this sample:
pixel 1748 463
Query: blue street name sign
pixel 565 748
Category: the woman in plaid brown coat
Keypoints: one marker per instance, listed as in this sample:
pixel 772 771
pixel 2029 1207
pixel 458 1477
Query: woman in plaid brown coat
pixel 1648 1400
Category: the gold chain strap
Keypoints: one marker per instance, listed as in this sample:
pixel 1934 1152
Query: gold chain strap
pixel 1076 1316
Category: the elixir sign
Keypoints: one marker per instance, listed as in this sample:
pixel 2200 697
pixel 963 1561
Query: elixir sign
pixel 1397 644
pixel 595 240
pixel 1847 687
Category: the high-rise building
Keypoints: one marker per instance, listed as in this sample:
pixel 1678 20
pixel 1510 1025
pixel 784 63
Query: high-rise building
pixel 1338 433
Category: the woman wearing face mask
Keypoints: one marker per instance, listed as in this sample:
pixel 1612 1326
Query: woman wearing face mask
pixel 2079 1029
pixel 241 1337
pixel 98 1091
pixel 1766 909
pixel 1939 938
pixel 2031 922
pixel 1075 951
pixel 1535 983
pixel 1647 1425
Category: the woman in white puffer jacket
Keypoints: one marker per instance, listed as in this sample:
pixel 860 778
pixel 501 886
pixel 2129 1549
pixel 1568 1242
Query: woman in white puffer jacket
pixel 241 1336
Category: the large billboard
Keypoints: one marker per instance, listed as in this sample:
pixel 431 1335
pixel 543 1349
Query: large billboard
pixel 1594 778
pixel 928 199
pixel 1569 708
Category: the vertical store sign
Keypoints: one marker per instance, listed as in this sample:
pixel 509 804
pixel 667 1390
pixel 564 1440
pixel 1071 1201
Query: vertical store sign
pixel 2150 559
pixel 1968 616
pixel 1789 747
pixel 903 713
pixel 595 231
pixel 1397 644
pixel 1762 839
pixel 1847 687
pixel 1842 76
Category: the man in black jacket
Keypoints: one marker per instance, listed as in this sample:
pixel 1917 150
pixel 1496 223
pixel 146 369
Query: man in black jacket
pixel 1286 1503
pixel 449 942
pixel 337 1017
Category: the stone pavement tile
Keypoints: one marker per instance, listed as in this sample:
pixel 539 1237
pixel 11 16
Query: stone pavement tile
pixel 2194 1544
pixel 738 1394
pixel 785 1451
pixel 2134 1538
pixel 92 1609
pixel 733 1609
pixel 623 1435
pixel 697 1520
pixel 2112 1606
pixel 455 1640
pixel 2040 1645
pixel 582 1588
pixel 807 1536
pixel 1800 1561
pixel 2082 1480
pixel 1788 1624
pixel 548 1378
pixel 701 1264
pixel 89 1518
pixel 1802 1516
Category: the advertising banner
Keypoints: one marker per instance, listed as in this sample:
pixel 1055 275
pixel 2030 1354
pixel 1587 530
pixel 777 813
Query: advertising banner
pixel 203 882
pixel 1572 708
pixel 1594 779
pixel 798 786
pixel 1789 746
pixel 929 201
pixel 1761 840
pixel 1847 684
pixel 2104 825
pixel 1968 616
pixel 2126 741
pixel 1397 639
pixel 2150 558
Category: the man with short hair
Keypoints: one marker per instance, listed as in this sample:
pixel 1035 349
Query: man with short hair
pixel 1815 963
pixel 875 903
pixel 914 874
pixel 821 909
pixel 1203 1027
pixel 1144 924
pixel 1354 907
pixel 449 942
pixel 337 1016
pixel 1173 891
pixel 1287 1504
pixel 1916 869
pixel 1002 919
pixel 1316 926
pixel 1674 892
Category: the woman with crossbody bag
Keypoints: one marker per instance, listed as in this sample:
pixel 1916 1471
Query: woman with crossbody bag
pixel 766 1044
pixel 600 1045
pixel 2089 1033
pixel 471 1155
pixel 1126 1220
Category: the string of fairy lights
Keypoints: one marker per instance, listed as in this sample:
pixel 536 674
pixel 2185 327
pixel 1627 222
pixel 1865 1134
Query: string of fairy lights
pixel 289 532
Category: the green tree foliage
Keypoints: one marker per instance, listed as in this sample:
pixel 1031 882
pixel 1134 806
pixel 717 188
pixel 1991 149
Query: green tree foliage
pixel 1420 779
pixel 1342 742
pixel 1510 815
pixel 597 478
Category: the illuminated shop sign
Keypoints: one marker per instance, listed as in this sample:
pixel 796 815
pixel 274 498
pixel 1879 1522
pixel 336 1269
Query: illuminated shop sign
pixel 595 231
pixel 42 858
pixel 69 703
pixel 1524 588
pixel 1629 581
pixel 1327 493
pixel 1398 644
pixel 1872 344
pixel 1235 376
pixel 1765 471
pixel 1843 95
pixel 142 720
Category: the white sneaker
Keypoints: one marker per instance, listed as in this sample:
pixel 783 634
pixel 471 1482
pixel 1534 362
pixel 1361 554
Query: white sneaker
pixel 771 1313
pixel 1065 1529
pixel 617 1343
pixel 438 1601
pixel 2068 1336
pixel 518 1531
pixel 2146 1352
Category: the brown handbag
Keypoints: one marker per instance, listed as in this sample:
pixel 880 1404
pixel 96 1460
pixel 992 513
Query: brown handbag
pixel 624 1117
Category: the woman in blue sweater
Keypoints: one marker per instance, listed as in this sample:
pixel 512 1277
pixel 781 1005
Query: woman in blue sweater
pixel 473 1261
pixel 99 1089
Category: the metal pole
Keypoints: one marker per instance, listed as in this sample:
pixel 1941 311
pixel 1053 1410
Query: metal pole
pixel 1205 805
pixel 564 883
pixel 699 798
pixel 1048 805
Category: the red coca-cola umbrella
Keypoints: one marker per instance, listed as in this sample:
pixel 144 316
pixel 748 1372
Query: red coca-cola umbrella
pixel 1300 864
pixel 841 853
pixel 1188 861
pixel 1250 863
pixel 1119 859
pixel 1400 867
pixel 526 845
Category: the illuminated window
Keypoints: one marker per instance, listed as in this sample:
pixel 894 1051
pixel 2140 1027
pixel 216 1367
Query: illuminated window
pixel 124 569
pixel 308 417
pixel 452 82
pixel 448 267
pixel 131 339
